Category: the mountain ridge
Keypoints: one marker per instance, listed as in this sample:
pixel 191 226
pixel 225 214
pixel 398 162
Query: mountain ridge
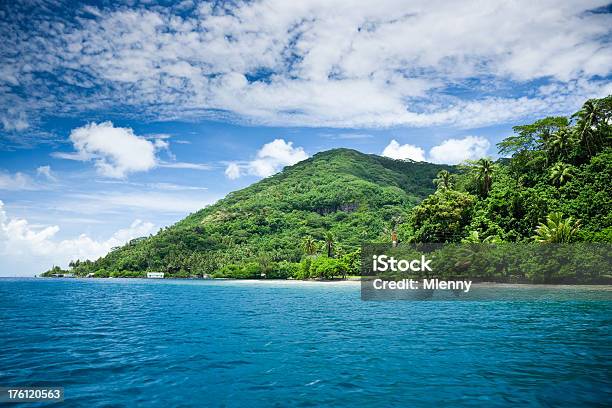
pixel 352 195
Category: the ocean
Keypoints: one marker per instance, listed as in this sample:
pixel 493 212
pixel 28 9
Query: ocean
pixel 170 343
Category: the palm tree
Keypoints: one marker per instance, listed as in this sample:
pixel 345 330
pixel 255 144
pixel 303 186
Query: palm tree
pixel 329 244
pixel 588 118
pixel 560 173
pixel 557 229
pixel 444 180
pixel 309 245
pixel 484 172
pixel 560 142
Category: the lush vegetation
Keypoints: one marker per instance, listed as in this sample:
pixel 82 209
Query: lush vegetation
pixel 495 261
pixel 306 222
pixel 554 188
pixel 309 220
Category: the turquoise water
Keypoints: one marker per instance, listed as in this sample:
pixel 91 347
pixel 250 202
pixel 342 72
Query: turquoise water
pixel 203 343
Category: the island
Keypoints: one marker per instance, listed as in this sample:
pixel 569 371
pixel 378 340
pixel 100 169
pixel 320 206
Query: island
pixel 552 186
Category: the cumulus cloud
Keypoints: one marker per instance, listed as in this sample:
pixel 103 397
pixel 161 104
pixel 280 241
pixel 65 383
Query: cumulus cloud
pixel 273 156
pixel 115 151
pixel 397 151
pixel 317 63
pixel 454 151
pixel 26 250
pixel 450 151
pixel 270 159
pixel 232 171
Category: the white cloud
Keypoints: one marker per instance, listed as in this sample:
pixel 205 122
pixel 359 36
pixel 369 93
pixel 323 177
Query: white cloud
pixel 144 201
pixel 185 165
pixel 161 144
pixel 46 172
pixel 232 171
pixel 13 120
pixel 17 181
pixel 402 152
pixel 273 156
pixel 115 151
pixel 70 156
pixel 347 136
pixel 352 136
pixel 26 250
pixel 158 136
pixel 320 63
pixel 270 159
pixel 450 151
pixel 454 151
pixel 175 187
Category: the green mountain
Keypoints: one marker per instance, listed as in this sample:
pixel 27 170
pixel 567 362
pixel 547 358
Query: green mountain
pixel 354 196
pixel 553 187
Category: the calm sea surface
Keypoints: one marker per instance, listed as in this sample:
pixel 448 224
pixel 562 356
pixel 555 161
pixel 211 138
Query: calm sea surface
pixel 204 343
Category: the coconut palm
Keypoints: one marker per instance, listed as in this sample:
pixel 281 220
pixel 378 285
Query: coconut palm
pixel 560 173
pixel 557 229
pixel 560 142
pixel 444 180
pixel 309 245
pixel 329 244
pixel 589 118
pixel 484 169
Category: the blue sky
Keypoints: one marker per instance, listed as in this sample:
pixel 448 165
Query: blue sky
pixel 117 119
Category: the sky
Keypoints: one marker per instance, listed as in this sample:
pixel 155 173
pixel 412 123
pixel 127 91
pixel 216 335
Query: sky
pixel 120 118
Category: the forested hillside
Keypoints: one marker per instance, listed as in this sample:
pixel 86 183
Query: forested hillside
pixel 553 186
pixel 340 196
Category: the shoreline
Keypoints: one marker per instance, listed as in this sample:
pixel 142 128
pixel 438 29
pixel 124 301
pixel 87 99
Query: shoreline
pixel 344 282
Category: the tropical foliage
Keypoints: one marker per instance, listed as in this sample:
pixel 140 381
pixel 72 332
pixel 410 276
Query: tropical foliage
pixel 309 220
pixel 444 180
pixel 325 206
pixel 557 230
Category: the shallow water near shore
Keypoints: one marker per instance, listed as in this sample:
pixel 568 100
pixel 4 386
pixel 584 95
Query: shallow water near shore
pixel 166 343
